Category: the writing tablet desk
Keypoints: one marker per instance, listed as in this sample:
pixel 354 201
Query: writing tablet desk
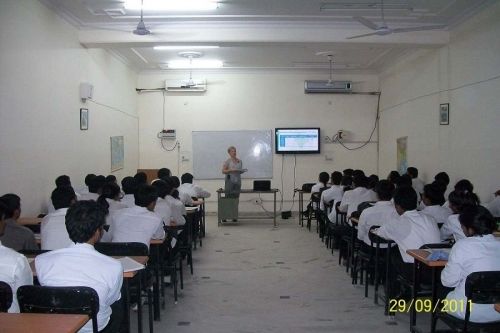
pixel 301 205
pixel 41 322
pixel 272 191
pixel 420 257
pixel 126 277
pixel 387 286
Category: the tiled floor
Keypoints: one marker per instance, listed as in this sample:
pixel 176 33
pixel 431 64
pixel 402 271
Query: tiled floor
pixel 249 277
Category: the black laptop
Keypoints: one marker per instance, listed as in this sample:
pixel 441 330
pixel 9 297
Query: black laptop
pixel 261 185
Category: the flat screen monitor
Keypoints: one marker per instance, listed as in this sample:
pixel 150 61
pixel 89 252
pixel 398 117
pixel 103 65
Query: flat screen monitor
pixel 297 140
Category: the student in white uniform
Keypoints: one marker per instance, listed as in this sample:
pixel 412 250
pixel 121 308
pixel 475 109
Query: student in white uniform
pixel 163 207
pixel 183 196
pixel 352 199
pixel 14 267
pixel 53 233
pixel 433 199
pixel 193 190
pixel 410 230
pixel 81 265
pixel 334 193
pixel 381 212
pixel 138 223
pixel 475 253
pixel 457 201
pixel 494 205
pixel 110 199
pixel 61 181
pixel 323 179
pixel 95 185
pixel 416 183
pixel 176 206
pixel 463 185
pixel 129 187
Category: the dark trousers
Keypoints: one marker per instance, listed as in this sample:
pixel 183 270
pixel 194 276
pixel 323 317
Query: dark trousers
pixel 116 318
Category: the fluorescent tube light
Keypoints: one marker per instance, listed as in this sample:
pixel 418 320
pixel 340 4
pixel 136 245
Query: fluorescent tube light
pixel 194 63
pixel 182 47
pixel 172 5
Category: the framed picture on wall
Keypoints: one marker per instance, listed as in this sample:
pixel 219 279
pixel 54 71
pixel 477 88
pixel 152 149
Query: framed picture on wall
pixel 84 119
pixel 444 114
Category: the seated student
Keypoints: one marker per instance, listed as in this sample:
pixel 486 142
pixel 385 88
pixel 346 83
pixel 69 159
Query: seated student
pixel 164 173
pixel 53 233
pixel 138 223
pixel 463 185
pixel 457 201
pixel 110 199
pixel 193 190
pixel 443 178
pixel 494 205
pixel 346 183
pixel 176 206
pixel 183 196
pixel 323 179
pixel 475 253
pixel 95 185
pixel 393 176
pixel 416 183
pixel 433 198
pixel 80 264
pixel 14 267
pixel 372 182
pixel 359 194
pixel 163 207
pixel 347 173
pixel 129 187
pixel 16 236
pixel 334 193
pixel 381 212
pixel 141 178
pixel 62 180
pixel 410 230
pixel 111 179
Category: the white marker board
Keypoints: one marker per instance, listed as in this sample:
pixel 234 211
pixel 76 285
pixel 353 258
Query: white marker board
pixel 254 148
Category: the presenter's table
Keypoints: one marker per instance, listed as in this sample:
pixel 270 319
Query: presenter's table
pixel 272 191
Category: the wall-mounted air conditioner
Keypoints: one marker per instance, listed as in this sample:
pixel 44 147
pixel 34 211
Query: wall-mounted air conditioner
pixel 327 87
pixel 190 85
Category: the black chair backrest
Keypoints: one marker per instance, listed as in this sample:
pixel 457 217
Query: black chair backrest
pixel 483 287
pixel 122 249
pixel 364 205
pixel 5 296
pixel 444 245
pixel 32 252
pixel 307 187
pixel 64 300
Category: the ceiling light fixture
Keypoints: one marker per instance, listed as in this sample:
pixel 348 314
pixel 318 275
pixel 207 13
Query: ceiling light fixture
pixel 172 5
pixel 195 63
pixel 184 47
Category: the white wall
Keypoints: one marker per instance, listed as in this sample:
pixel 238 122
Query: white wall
pixel 41 67
pixel 259 100
pixel 466 74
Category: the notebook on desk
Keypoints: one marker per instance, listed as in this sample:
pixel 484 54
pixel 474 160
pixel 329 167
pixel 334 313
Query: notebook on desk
pixel 261 185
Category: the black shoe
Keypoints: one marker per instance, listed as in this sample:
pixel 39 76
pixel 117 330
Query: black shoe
pixel 235 220
pixel 224 220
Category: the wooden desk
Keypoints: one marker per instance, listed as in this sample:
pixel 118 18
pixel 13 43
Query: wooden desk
pixel 420 257
pixel 41 322
pixel 29 220
pixel 301 205
pixel 251 191
pixel 155 246
pixel 497 307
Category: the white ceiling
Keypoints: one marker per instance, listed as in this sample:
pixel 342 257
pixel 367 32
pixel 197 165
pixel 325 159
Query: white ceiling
pixel 265 34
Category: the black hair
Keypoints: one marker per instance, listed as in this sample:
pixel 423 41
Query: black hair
pixel 3 209
pixel 443 178
pixel 464 185
pixel 83 219
pixel 187 178
pixel 129 185
pixel 63 180
pixel 360 180
pixel 459 200
pixel 88 178
pixel 346 181
pixel 96 183
pixel 174 180
pixel 164 172
pixel 358 172
pixel 324 177
pixel 412 171
pixel 62 197
pixel 404 181
pixel 162 187
pixel 108 191
pixel 372 181
pixel 393 176
pixel 347 172
pixel 336 178
pixel 384 190
pixel 406 198
pixel 110 179
pixel 479 219
pixel 441 186
pixel 145 195
pixel 12 203
pixel 434 192
pixel 141 178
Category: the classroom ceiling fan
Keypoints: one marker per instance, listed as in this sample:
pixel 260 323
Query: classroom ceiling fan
pixel 384 29
pixel 141 29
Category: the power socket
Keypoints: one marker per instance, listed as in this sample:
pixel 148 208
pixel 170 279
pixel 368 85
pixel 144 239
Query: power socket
pixel 257 201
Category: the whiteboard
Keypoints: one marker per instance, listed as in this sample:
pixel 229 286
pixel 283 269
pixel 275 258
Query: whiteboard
pixel 254 148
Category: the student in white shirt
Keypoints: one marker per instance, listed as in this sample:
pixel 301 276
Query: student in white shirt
pixel 494 205
pixel 457 201
pixel 393 177
pixel 176 206
pixel 476 253
pixel 381 212
pixel 352 199
pixel 410 230
pixel 164 208
pixel 95 186
pixel 110 199
pixel 323 179
pixel 129 187
pixel 193 190
pixel 433 199
pixel 416 183
pixel 14 267
pixel 81 265
pixel 62 180
pixel 138 223
pixel 183 196
pixel 53 233
pixel 334 193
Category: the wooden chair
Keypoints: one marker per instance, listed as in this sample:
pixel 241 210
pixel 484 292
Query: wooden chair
pixel 64 300
pixel 5 296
